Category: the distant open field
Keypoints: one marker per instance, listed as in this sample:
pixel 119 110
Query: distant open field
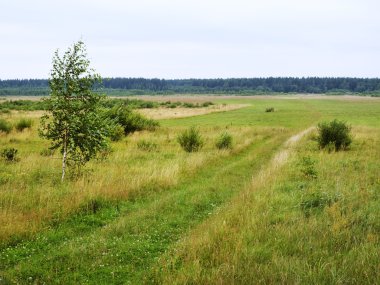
pixel 205 98
pixel 273 209
pixel 168 113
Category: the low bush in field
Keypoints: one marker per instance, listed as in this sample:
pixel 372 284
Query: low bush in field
pixel 224 141
pixel 5 111
pixel 129 120
pixel 24 105
pixel 191 105
pixel 146 145
pixel 116 132
pixel 335 133
pixel 23 124
pixel 9 154
pixel 317 201
pixel 190 140
pixel 207 103
pixel 5 126
pixel 307 166
pixel 269 110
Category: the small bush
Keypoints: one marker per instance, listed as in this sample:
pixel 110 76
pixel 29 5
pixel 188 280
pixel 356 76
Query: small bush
pixel 5 126
pixel 307 165
pixel 334 133
pixel 206 104
pixel 116 133
pixel 190 105
pixel 129 120
pixel 224 141
pixel 172 106
pixel 23 124
pixel 317 201
pixel 9 154
pixel 147 105
pixel 190 140
pixel 269 110
pixel 5 111
pixel 146 145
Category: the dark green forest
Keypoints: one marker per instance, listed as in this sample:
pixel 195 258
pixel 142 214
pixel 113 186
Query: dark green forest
pixel 270 85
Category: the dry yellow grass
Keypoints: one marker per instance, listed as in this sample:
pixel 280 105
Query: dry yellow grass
pixel 14 98
pixel 31 194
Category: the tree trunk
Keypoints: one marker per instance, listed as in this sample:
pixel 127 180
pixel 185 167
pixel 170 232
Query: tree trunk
pixel 64 157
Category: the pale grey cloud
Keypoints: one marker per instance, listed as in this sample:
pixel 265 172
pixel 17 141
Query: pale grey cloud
pixel 181 39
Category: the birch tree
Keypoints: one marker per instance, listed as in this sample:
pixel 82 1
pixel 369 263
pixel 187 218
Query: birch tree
pixel 73 122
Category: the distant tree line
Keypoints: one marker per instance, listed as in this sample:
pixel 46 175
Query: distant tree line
pixel 120 86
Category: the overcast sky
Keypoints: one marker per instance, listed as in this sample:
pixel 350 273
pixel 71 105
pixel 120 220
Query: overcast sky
pixel 194 38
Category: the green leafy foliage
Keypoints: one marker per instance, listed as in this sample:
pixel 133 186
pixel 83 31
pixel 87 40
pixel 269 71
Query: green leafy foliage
pixel 317 201
pixel 9 154
pixel 5 111
pixel 269 110
pixel 23 124
pixel 207 103
pixel 5 126
pixel 23 105
pixel 335 133
pixel 190 140
pixel 130 103
pixel 224 141
pixel 116 132
pixel 74 124
pixel 129 120
pixel 307 166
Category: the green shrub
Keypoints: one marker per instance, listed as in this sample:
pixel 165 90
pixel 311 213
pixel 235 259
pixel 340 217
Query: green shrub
pixel 23 124
pixel 5 126
pixel 206 104
pixel 317 201
pixel 130 121
pixel 5 111
pixel 269 110
pixel 146 145
pixel 190 105
pixel 334 133
pixel 307 165
pixel 172 106
pixel 9 154
pixel 190 140
pixel 224 141
pixel 116 132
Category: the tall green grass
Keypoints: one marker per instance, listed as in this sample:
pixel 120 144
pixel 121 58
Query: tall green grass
pixel 291 228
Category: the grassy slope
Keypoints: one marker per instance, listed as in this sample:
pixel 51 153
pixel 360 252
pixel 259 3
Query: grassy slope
pixel 123 240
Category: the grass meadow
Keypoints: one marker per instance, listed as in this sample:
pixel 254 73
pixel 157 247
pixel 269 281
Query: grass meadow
pixel 267 211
